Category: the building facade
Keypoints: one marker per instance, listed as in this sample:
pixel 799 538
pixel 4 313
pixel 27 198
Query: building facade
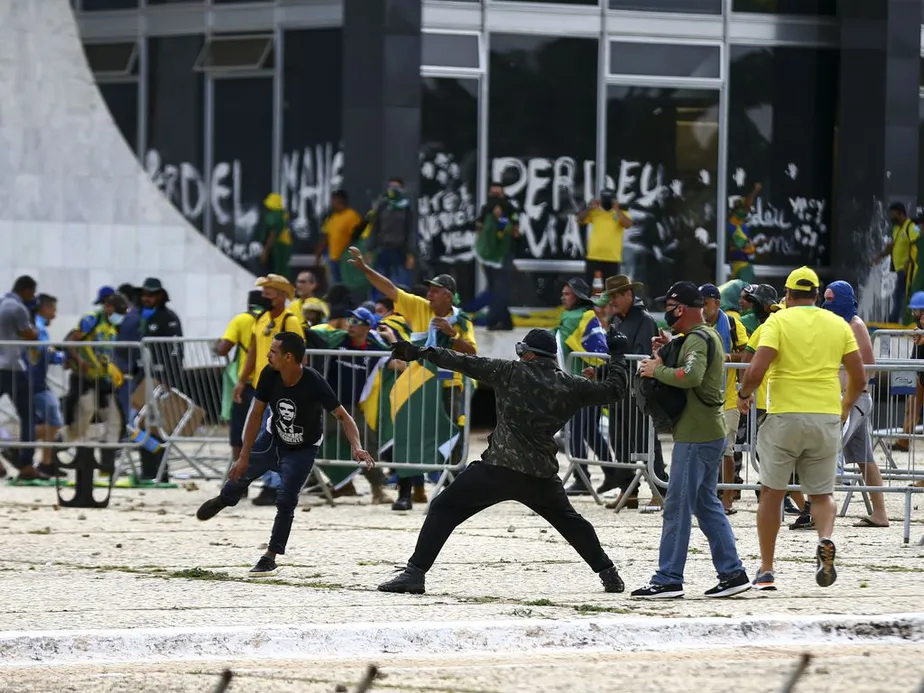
pixel 679 106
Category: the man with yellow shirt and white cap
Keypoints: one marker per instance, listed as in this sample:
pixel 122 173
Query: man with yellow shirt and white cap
pixel 801 350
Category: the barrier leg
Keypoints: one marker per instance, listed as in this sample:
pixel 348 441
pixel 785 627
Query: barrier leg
pixel 633 486
pixel 84 464
pixel 906 536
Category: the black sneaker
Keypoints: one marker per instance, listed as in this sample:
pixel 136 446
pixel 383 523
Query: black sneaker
pixel 729 587
pixel 409 580
pixel 825 574
pixel 612 583
pixel 577 488
pixel 402 504
pixel 652 591
pixel 267 497
pixel 790 508
pixel 607 486
pixel 804 521
pixel 265 567
pixel 210 508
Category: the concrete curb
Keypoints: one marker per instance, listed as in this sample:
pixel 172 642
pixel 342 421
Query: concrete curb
pixel 365 640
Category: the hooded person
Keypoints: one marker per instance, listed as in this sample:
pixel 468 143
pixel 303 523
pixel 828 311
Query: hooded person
pixel 534 400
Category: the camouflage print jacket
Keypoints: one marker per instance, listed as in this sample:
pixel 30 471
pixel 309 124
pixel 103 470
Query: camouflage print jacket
pixel 534 399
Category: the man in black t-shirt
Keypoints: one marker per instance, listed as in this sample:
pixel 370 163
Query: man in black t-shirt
pixel 297 397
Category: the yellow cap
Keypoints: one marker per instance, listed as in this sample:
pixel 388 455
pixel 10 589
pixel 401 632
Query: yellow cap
pixel 802 279
pixel 273 202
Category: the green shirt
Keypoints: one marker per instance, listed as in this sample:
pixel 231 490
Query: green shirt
pixel 700 422
pixel 750 321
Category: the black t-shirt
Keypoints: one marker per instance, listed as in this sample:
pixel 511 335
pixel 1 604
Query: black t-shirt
pixel 296 410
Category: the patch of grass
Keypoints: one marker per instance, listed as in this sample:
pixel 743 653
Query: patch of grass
pixel 320 585
pixel 864 585
pixel 540 602
pixel 43 530
pixel 594 609
pixel 480 600
pixel 893 569
pixel 200 574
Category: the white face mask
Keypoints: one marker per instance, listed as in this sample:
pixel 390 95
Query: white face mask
pixel 116 319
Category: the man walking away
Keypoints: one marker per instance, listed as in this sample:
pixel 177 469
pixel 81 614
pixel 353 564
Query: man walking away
pixel 393 238
pixel 45 404
pixel 16 324
pixel 858 446
pixel 297 397
pixel 802 349
pixel 534 399
pixel 904 257
pixel 337 234
pixel 699 440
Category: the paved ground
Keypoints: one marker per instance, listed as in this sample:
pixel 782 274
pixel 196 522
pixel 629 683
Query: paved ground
pixel 146 562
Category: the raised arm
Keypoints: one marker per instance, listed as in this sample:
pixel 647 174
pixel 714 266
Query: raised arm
pixel 489 371
pixel 611 389
pixel 383 284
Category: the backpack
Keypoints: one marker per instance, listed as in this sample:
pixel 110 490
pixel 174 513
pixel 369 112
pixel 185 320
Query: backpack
pixel 665 403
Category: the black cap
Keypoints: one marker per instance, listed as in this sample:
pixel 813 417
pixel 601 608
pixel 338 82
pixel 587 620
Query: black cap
pixel 541 343
pixel 152 285
pixel 580 288
pixel 684 293
pixel 710 291
pixel 443 281
pixel 762 294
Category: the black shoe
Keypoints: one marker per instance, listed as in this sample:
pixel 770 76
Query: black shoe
pixel 652 591
pixel 607 485
pixel 611 581
pixel 267 497
pixel 790 508
pixel 825 574
pixel 729 587
pixel 265 567
pixel 577 488
pixel 50 471
pixel 402 504
pixel 409 581
pixel 804 521
pixel 210 508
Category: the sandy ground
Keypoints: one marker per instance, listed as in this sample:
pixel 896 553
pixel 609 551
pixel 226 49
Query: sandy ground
pixel 146 562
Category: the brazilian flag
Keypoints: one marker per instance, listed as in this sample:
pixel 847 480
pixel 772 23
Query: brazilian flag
pixel 424 433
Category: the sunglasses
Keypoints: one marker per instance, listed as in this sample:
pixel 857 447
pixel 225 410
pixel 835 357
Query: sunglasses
pixel 269 328
pixel 356 322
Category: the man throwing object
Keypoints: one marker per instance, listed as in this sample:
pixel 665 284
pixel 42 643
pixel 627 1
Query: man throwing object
pixel 289 442
pixel 534 400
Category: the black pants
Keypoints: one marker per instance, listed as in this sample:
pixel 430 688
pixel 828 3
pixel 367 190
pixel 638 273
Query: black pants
pixel 480 486
pixel 607 269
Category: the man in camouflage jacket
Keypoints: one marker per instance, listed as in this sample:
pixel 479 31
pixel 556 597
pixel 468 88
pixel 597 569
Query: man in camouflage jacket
pixel 534 399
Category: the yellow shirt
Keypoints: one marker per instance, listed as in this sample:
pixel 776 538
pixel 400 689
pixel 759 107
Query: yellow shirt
pixel 239 332
pixel 904 249
pixel 417 312
pixel 811 344
pixel 606 233
pixel 264 329
pixel 339 229
pixel 761 396
pixel 739 341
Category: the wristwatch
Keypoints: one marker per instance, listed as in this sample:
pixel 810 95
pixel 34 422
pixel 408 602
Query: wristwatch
pixel 743 396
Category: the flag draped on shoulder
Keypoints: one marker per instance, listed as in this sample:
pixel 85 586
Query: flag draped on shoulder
pixel 588 337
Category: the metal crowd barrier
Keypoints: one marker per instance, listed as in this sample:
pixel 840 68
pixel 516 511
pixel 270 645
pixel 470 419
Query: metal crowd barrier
pixel 193 397
pixel 894 387
pixel 64 399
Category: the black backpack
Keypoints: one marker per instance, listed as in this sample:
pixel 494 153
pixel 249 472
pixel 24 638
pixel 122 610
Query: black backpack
pixel 665 403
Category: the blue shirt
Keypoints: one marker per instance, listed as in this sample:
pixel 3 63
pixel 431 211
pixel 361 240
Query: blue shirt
pixel 723 327
pixel 38 358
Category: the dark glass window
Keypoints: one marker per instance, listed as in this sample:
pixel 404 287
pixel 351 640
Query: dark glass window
pixel 822 7
pixel 102 5
pixel 560 2
pixel 171 2
pixel 636 58
pixel 449 50
pixel 542 144
pixel 112 58
pixel 698 6
pixel 223 53
pixel 782 107
pixel 920 208
pixel 449 179
pixel 122 101
pixel 242 175
pixel 174 157
pixel 312 152
pixel 232 2
pixel 661 163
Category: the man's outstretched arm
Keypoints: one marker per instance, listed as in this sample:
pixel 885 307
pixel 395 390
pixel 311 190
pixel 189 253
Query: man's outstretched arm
pixel 489 371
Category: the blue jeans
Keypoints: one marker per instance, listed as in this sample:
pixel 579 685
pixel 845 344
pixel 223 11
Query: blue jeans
pixel 692 491
pixel 391 263
pixel 271 479
pixel 293 468
pixel 15 385
pixel 898 297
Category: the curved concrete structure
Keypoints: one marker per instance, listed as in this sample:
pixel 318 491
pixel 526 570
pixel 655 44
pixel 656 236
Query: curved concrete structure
pixel 76 209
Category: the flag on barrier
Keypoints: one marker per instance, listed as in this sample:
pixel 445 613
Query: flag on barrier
pixel 424 433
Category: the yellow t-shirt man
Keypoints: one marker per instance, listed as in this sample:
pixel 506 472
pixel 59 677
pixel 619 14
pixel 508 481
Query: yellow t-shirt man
pixel 264 329
pixel 417 312
pixel 604 243
pixel 904 250
pixel 339 229
pixel 811 344
pixel 240 333
pixel 761 396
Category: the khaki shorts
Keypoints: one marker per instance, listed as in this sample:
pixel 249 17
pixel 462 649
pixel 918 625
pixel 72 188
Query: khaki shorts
pixel 731 430
pixel 803 444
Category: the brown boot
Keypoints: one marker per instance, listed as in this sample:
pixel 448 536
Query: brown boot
pixel 348 490
pixel 419 495
pixel 379 497
pixel 28 473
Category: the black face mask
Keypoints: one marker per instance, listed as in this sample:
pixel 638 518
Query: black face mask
pixel 606 202
pixel 495 201
pixel 671 317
